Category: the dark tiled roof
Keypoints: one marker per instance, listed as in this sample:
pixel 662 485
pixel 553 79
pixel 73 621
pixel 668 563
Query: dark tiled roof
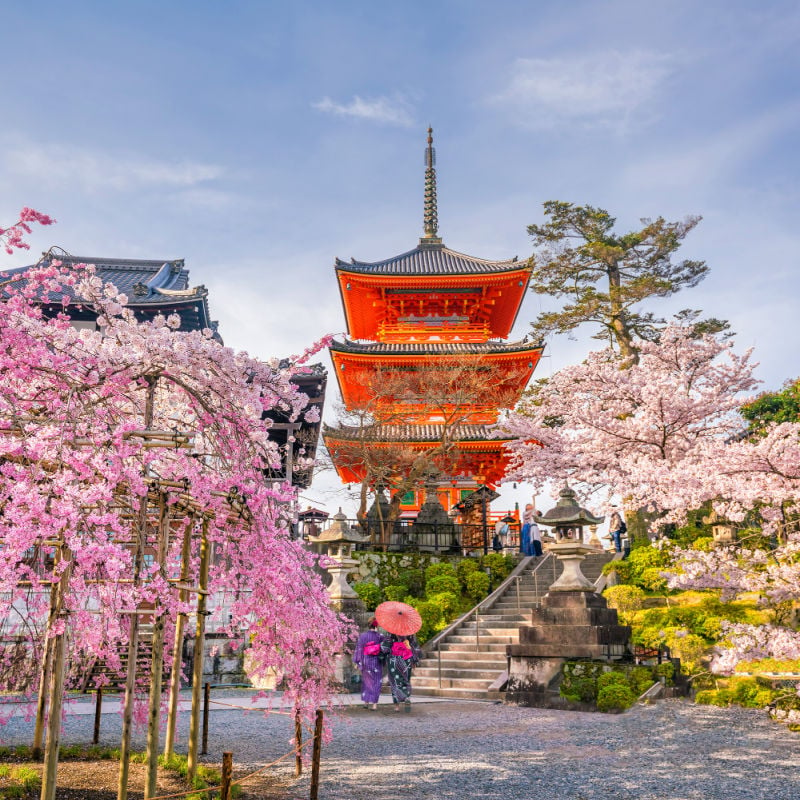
pixel 151 286
pixel 415 433
pixel 433 348
pixel 430 260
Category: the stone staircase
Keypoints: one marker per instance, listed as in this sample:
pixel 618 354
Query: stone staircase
pixel 468 660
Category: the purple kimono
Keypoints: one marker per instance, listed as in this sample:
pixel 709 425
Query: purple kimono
pixel 371 666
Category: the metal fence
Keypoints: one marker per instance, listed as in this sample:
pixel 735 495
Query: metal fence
pixel 406 535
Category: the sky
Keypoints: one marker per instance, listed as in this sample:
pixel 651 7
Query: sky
pixel 260 140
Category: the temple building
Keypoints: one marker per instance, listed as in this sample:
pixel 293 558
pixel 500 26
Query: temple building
pixel 425 363
pixel 162 286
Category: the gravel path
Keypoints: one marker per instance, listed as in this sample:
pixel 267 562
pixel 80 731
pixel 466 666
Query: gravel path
pixel 672 750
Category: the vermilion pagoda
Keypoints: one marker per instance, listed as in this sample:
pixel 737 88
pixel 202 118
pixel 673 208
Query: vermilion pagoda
pixel 430 311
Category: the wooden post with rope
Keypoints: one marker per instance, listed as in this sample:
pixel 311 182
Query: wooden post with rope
pixel 177 645
pixel 227 773
pixel 206 704
pixel 316 753
pixel 133 640
pixel 98 710
pixel 157 656
pixel 199 646
pixel 298 745
pixel 56 688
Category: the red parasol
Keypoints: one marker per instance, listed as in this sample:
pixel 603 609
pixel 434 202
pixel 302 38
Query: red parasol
pixel 398 618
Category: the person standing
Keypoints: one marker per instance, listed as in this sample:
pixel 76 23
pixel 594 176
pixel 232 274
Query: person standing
pixel 501 533
pixel 402 653
pixel 616 527
pixel 369 660
pixel 525 543
pixel 535 534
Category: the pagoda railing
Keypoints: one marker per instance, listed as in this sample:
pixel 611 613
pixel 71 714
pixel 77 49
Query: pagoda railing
pixel 405 535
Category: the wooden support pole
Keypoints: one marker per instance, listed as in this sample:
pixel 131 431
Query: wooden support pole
pixel 316 753
pixel 133 637
pixel 98 710
pixel 56 689
pixel 199 645
pixel 177 646
pixel 157 656
pixel 44 683
pixel 206 704
pixel 298 745
pixel 227 774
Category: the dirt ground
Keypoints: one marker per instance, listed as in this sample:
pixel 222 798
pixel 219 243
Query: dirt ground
pixel 97 780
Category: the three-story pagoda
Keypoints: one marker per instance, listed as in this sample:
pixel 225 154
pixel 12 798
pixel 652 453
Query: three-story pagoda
pixel 439 317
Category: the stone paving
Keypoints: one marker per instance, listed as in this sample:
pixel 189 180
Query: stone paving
pixel 672 750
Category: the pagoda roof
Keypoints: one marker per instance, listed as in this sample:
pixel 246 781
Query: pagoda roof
pixel 433 348
pixel 427 259
pixel 458 434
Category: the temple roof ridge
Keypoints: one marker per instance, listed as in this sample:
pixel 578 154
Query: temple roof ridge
pixel 416 432
pixel 434 348
pixel 428 260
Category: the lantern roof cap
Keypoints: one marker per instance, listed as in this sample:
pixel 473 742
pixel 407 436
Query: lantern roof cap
pixel 568 512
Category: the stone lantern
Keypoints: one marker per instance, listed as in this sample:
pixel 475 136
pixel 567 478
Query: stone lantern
pixel 337 542
pixel 568 520
pixel 572 621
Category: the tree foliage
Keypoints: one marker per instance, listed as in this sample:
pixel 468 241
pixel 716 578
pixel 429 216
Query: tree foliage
pixel 605 275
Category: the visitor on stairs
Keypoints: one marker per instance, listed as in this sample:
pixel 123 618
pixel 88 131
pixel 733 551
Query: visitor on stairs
pixel 369 660
pixel 536 535
pixel 616 527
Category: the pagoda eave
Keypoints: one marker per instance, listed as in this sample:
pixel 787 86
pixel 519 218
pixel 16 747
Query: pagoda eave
pixel 470 307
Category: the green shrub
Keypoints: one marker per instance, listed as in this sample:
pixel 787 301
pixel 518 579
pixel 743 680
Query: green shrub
pixel 449 603
pixel 713 697
pixel 465 568
pixel 369 593
pixel 621 569
pixel 704 543
pixel 5 770
pixel 641 679
pixel 442 583
pixel 414 579
pixel 625 599
pixel 500 566
pixel 666 670
pixel 652 580
pixel 612 678
pixel 615 697
pixel 396 592
pixel 438 569
pixel 477 585
pixel 748 693
pixel 431 614
pixel 579 689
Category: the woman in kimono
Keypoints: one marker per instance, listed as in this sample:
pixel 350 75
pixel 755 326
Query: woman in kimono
pixel 401 653
pixel 369 660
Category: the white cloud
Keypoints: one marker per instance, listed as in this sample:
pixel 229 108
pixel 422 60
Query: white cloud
pixel 78 167
pixel 391 111
pixel 609 89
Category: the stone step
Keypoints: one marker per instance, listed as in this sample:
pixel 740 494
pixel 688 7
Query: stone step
pixel 451 683
pixel 458 647
pixel 482 639
pixel 457 694
pixel 455 672
pixel 473 664
pixel 504 625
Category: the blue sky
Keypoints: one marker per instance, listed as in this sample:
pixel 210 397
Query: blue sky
pixel 259 140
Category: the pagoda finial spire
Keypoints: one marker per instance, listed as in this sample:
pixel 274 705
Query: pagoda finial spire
pixel 430 216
